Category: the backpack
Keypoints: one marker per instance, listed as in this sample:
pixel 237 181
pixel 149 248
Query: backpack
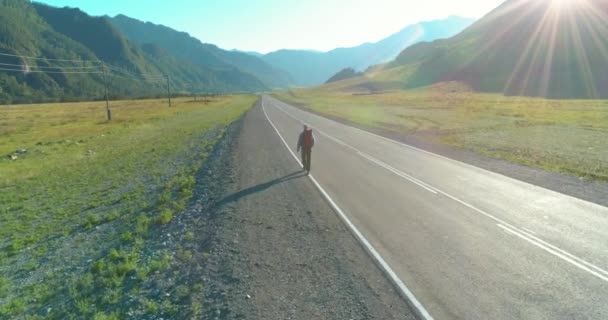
pixel 308 139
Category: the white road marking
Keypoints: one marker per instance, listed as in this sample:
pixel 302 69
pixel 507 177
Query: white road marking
pixel 420 310
pixel 397 172
pixel 596 271
pixel 547 247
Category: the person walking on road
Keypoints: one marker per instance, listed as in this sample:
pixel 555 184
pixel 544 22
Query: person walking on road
pixel 305 143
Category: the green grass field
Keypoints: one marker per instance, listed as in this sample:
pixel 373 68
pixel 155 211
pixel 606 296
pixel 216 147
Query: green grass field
pixel 77 207
pixel 566 136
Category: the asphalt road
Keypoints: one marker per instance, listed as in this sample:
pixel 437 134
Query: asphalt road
pixel 277 249
pixel 466 242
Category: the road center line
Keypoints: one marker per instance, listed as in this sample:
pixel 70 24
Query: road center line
pixel 397 172
pixel 598 272
pixel 528 236
pixel 405 292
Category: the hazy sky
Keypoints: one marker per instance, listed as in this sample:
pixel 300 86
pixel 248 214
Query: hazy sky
pixel 267 25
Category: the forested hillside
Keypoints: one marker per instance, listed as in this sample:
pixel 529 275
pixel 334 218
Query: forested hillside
pixel 59 54
pixel 184 46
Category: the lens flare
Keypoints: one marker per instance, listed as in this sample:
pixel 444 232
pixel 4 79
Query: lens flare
pixel 563 3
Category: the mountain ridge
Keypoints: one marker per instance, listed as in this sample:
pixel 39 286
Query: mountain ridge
pixel 183 45
pixel 309 67
pixel 523 47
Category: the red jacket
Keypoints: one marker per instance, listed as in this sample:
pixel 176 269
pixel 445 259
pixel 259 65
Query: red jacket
pixel 305 144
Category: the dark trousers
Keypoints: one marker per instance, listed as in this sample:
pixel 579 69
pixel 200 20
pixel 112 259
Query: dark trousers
pixel 306 158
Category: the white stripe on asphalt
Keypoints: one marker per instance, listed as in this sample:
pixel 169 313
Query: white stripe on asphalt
pixel 398 172
pixel 598 272
pixel 420 310
pixel 547 247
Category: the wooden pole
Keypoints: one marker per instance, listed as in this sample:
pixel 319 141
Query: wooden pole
pixel 105 81
pixel 169 90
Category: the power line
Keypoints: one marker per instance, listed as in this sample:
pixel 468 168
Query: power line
pixel 142 75
pixel 146 77
pixel 135 78
pixel 47 67
pixel 47 59
pixel 43 71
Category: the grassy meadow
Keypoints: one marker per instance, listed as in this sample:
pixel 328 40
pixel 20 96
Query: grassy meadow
pixel 80 198
pixel 566 136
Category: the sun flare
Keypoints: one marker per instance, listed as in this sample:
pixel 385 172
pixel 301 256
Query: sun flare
pixel 562 3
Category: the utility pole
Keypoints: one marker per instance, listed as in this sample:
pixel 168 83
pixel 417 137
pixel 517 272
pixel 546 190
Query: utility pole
pixel 105 82
pixel 169 90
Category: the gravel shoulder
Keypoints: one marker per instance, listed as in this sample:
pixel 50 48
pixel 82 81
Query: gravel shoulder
pixel 592 191
pixel 276 248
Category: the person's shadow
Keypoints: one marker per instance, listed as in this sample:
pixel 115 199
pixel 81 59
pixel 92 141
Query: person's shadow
pixel 260 187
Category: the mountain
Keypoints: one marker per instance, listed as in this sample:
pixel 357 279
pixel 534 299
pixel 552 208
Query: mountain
pixel 251 53
pixel 555 49
pixel 344 74
pixel 29 31
pixel 186 47
pixel 312 67
pixel 23 29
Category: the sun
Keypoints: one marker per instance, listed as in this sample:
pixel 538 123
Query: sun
pixel 562 3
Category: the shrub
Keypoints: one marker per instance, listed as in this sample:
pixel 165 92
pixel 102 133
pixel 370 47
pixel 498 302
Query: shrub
pixel 98 267
pixel 189 236
pixel 113 215
pixel 91 220
pixel 126 236
pixel 165 216
pixel 142 224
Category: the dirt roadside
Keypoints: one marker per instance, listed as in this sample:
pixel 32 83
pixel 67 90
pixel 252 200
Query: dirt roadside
pixel 276 248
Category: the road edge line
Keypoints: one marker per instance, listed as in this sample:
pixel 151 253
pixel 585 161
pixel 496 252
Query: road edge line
pixel 404 291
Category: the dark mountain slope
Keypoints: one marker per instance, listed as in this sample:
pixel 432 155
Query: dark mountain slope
pixel 36 30
pixel 524 47
pixel 24 32
pixel 108 42
pixel 183 45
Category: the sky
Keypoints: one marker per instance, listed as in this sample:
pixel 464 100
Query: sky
pixel 268 25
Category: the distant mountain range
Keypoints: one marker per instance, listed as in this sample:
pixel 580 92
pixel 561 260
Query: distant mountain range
pixel 555 49
pixel 140 56
pixel 310 68
pixel 183 46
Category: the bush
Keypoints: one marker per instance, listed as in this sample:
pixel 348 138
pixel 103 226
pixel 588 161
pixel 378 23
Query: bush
pixel 99 267
pixel 142 224
pixel 126 236
pixel 91 220
pixel 113 215
pixel 165 216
